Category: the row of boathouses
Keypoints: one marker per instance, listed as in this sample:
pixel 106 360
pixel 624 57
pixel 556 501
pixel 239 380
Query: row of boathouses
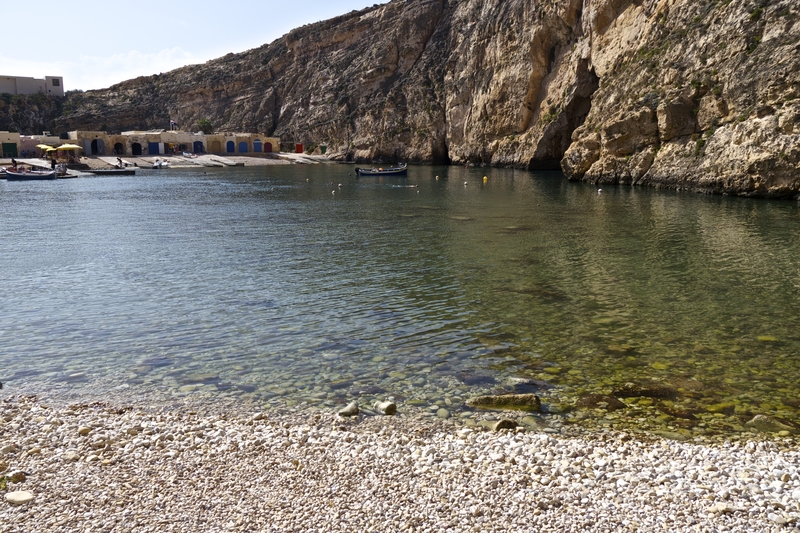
pixel 135 143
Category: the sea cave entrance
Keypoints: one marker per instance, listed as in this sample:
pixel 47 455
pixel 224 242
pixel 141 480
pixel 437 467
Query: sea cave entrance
pixel 557 135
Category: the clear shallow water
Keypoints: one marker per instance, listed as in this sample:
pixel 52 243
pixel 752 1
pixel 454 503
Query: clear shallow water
pixel 260 284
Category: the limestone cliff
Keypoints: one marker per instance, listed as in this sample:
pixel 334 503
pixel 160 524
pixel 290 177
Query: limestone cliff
pixel 701 95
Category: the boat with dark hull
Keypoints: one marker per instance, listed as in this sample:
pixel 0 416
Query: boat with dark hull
pixel 113 171
pixel 28 175
pixel 399 170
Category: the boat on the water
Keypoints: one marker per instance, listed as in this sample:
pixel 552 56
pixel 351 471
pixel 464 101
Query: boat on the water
pixel 399 170
pixel 113 171
pixel 26 175
pixel 160 164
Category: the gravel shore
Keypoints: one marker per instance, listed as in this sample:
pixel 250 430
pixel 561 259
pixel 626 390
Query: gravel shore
pixel 109 468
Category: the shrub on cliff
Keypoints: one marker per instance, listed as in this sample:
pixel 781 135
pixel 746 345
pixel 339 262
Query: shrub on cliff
pixel 205 125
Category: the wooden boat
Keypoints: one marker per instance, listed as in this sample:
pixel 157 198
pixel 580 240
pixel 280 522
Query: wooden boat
pixel 113 171
pixel 12 175
pixel 399 170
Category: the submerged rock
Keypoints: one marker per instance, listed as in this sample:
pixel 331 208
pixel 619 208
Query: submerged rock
pixel 769 424
pixel 600 401
pixel 534 422
pixel 518 402
pixel 630 390
pixel 686 414
pixel 475 379
pixel 526 385
pixel 725 408
pixel 670 435
pixel 198 378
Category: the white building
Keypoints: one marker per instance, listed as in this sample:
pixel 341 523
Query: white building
pixel 50 85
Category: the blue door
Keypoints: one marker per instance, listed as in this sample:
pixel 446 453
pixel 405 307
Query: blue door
pixel 230 147
pixel 198 147
pixel 152 148
pixel 257 145
pixel 242 147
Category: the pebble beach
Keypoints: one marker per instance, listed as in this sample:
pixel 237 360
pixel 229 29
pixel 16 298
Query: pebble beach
pixel 117 468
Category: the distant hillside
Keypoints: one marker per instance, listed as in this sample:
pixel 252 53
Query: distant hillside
pixel 701 95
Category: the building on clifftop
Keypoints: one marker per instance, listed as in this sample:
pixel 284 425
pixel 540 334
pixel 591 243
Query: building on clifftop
pixel 50 85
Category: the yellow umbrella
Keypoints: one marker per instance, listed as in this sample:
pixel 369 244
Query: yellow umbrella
pixel 69 147
pixel 51 149
pixel 43 146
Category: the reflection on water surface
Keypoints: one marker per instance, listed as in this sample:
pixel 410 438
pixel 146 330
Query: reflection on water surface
pixel 259 284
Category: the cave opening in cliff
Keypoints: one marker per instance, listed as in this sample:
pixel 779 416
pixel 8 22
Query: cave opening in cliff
pixel 557 136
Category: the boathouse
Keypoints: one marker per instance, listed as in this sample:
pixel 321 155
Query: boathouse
pixel 92 142
pixel 160 142
pixel 29 144
pixel 10 143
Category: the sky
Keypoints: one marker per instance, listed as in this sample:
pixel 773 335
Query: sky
pixel 95 45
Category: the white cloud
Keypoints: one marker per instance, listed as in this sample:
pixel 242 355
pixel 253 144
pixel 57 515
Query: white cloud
pixel 97 72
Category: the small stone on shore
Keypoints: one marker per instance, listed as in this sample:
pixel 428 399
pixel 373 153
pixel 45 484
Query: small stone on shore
pixel 350 410
pixel 386 408
pixel 497 425
pixel 20 497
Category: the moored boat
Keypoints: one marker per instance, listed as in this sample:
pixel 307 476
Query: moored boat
pixel 26 175
pixel 113 171
pixel 399 170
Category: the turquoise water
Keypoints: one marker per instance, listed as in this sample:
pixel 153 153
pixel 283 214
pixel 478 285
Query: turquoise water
pixel 276 284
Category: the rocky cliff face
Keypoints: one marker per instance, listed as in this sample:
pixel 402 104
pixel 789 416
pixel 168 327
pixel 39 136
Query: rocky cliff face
pixel 701 95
